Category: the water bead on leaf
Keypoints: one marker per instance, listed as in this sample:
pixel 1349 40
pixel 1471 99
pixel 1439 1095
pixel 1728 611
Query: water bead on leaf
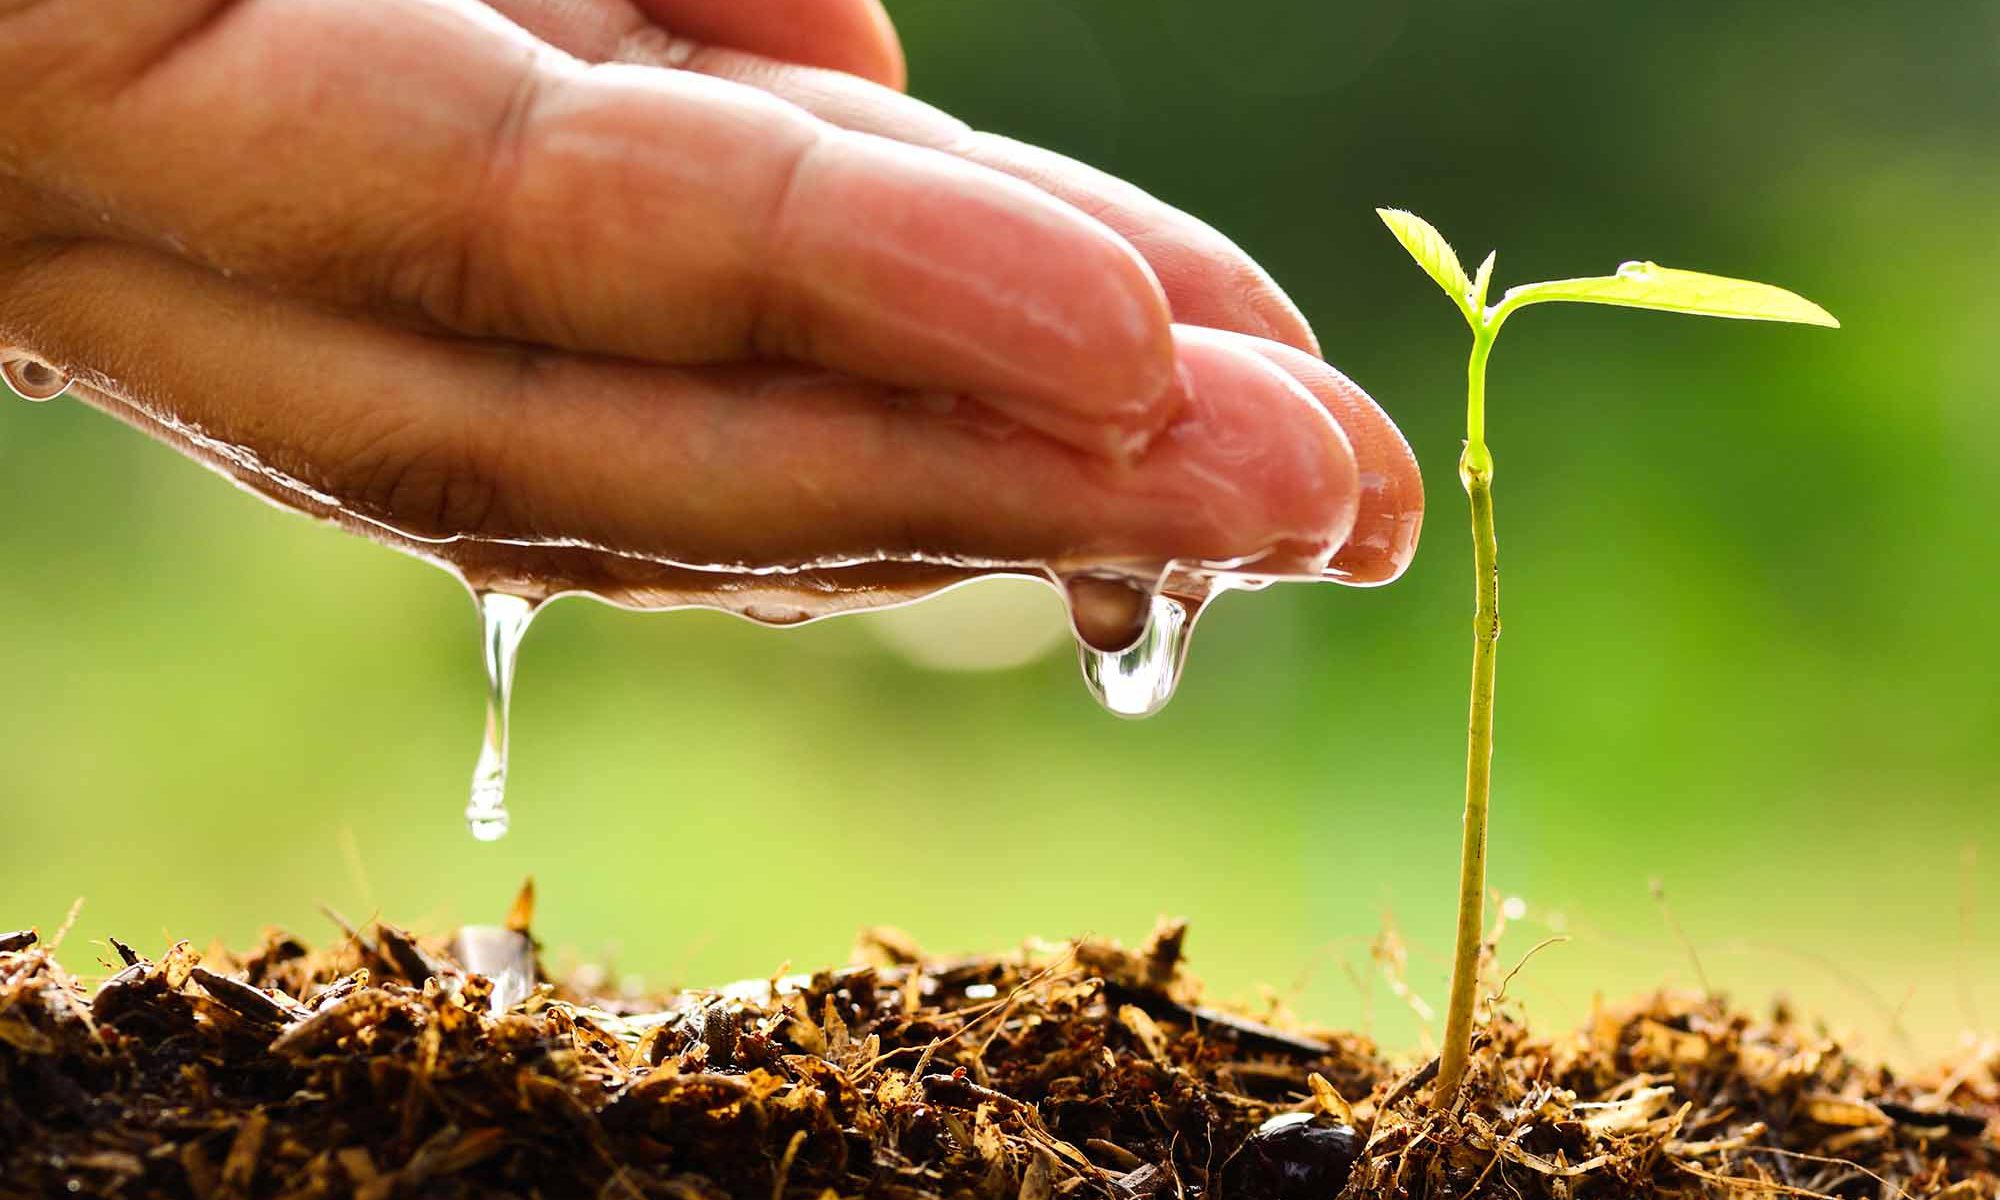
pixel 1669 289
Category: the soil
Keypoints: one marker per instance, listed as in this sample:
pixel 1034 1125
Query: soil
pixel 388 1065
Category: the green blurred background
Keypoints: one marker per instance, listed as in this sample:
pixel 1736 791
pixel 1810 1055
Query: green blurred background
pixel 1751 579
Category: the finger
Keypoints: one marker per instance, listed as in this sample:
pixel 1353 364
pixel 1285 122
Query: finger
pixel 1391 510
pixel 1208 279
pixel 851 36
pixel 503 189
pixel 739 466
pixel 854 37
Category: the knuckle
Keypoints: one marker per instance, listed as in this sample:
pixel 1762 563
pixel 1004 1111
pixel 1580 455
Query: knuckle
pixel 460 262
pixel 778 327
pixel 408 476
pixel 424 273
pixel 459 271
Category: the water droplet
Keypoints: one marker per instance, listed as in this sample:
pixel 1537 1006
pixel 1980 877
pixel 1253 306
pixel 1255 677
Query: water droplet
pixel 1641 272
pixel 505 956
pixel 1138 680
pixel 33 379
pixel 1107 612
pixel 503 621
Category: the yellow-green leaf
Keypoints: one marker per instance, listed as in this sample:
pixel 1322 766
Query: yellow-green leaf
pixel 1482 279
pixel 1431 251
pixel 1648 285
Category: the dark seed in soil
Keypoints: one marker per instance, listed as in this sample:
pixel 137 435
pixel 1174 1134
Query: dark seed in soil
pixel 1294 1156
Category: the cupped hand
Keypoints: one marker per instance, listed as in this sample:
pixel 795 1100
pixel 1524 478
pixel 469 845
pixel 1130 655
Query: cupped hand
pixel 578 289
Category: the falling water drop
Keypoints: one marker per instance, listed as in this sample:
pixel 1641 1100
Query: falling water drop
pixel 33 379
pixel 503 623
pixel 1138 680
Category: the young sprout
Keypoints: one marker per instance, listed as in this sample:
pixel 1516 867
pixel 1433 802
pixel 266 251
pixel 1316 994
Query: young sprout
pixel 1636 285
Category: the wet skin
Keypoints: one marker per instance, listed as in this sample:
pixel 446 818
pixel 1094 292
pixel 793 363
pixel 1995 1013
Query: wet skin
pixel 631 290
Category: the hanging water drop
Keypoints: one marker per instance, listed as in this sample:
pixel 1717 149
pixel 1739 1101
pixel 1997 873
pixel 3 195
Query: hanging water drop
pixel 1138 680
pixel 504 621
pixel 33 379
pixel 1107 612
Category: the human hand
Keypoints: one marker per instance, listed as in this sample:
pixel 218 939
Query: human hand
pixel 573 300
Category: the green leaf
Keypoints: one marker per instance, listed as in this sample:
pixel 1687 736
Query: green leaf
pixel 1648 285
pixel 1482 279
pixel 1432 253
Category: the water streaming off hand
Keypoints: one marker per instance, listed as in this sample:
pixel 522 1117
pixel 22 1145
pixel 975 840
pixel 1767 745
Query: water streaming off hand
pixel 1131 635
pixel 503 622
pixel 1132 622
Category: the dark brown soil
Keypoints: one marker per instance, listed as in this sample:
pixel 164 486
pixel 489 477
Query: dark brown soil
pixel 379 1067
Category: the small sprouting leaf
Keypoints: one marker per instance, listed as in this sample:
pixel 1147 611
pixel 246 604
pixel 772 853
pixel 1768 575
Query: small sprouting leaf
pixel 1482 279
pixel 1648 285
pixel 1432 253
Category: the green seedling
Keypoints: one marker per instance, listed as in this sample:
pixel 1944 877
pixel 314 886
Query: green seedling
pixel 1636 285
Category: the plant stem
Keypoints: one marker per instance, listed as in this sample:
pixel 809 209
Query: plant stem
pixel 1475 471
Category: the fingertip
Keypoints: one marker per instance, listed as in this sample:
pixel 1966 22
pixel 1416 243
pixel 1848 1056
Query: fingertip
pixel 889 67
pixel 1104 333
pixel 1115 399
pixel 852 36
pixel 1214 284
pixel 939 273
pixel 1282 319
pixel 1283 477
pixel 1391 512
pixel 1209 279
pixel 861 41
pixel 1283 322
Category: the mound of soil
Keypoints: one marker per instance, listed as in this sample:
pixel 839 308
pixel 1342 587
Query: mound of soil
pixel 393 1066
